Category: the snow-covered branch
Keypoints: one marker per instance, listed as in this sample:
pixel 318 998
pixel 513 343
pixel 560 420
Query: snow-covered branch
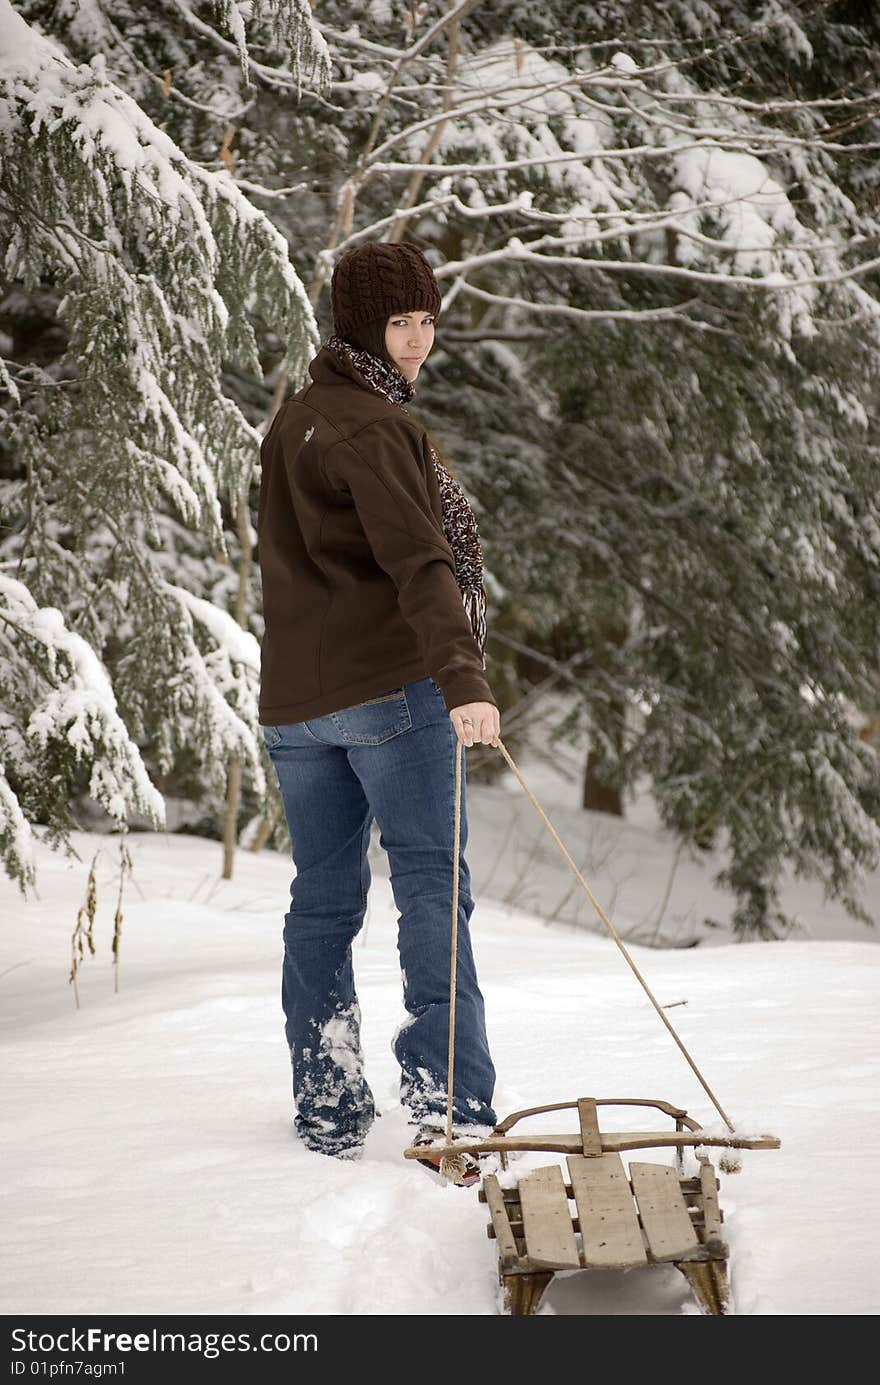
pixel 301 35
pixel 76 707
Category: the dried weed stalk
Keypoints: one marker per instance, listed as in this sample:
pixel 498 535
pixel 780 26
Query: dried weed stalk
pixel 85 923
pixel 83 933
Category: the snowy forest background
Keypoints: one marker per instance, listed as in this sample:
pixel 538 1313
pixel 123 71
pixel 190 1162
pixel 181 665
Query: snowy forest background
pixel 656 232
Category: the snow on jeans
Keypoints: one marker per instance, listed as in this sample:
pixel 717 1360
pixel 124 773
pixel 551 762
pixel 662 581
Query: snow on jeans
pixel 393 759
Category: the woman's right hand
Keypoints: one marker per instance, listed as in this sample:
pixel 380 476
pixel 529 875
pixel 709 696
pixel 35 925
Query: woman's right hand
pixel 477 723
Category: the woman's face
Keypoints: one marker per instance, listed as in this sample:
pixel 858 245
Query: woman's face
pixel 408 339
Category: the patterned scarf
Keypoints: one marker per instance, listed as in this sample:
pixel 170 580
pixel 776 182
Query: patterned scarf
pixel 459 521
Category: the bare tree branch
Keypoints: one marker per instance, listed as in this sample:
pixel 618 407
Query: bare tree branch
pixel 676 313
pixel 432 144
pixel 365 45
pixel 515 250
pixel 732 144
pixel 769 139
pixel 757 107
pixel 432 204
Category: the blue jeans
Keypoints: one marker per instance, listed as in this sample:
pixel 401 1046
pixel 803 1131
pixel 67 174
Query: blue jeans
pixel 392 759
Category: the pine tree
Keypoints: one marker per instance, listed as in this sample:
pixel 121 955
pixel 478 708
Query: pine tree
pixel 134 278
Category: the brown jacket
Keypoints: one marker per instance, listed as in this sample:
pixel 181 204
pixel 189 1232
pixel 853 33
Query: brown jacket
pixel 359 589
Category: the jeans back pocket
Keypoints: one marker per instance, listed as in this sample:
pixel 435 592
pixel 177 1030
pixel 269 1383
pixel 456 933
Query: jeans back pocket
pixel 374 721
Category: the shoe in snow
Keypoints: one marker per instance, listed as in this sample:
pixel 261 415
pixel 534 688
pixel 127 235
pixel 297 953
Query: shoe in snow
pixel 461 1169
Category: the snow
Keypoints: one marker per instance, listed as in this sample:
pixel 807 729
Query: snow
pixel 624 63
pixel 152 1167
pixel 752 206
pixel 370 82
pixel 21 47
pixel 754 216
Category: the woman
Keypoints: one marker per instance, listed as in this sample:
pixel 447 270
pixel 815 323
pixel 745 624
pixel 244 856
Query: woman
pixel 372 665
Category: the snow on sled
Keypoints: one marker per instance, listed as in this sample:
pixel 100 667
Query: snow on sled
pixel 603 1217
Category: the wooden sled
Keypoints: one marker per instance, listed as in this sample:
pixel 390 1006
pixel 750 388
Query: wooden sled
pixel 651 1215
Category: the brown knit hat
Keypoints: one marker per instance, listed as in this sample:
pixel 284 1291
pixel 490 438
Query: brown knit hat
pixel 380 278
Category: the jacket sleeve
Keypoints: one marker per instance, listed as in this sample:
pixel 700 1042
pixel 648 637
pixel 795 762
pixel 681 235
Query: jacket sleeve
pixel 384 470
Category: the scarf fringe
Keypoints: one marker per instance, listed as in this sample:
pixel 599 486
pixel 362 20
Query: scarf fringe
pixel 475 605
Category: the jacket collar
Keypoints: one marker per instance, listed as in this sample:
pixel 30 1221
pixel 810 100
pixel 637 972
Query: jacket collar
pixel 338 361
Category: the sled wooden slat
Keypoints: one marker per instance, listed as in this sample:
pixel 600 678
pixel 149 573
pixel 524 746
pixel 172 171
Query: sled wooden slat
pixel 546 1215
pixel 507 1251
pixel 612 1237
pixel 711 1211
pixel 663 1211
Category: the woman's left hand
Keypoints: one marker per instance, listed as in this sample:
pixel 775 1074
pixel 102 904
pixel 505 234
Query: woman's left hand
pixel 477 723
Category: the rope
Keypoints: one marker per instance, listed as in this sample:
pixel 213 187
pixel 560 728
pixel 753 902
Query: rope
pixel 451 1166
pixel 451 1161
pixel 455 943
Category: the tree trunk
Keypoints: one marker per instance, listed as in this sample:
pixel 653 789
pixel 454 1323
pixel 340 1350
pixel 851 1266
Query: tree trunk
pixel 598 795
pixel 230 817
pixel 233 776
pixel 602 791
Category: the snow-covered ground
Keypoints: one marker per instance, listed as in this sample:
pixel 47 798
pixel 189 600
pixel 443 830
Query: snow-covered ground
pixel 148 1154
